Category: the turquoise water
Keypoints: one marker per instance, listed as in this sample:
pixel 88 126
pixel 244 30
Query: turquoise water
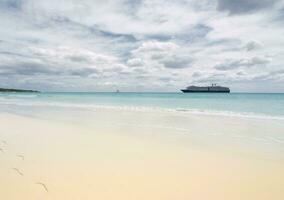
pixel 241 104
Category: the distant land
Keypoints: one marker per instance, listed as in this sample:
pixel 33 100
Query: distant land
pixel 15 90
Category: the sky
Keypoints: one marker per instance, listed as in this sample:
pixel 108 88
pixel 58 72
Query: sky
pixel 142 45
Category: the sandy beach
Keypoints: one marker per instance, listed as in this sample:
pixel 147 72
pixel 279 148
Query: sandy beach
pixel 115 155
pixel 141 100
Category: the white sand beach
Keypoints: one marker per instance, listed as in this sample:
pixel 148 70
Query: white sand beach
pixel 115 155
pixel 141 100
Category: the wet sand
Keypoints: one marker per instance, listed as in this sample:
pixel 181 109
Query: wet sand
pixel 133 155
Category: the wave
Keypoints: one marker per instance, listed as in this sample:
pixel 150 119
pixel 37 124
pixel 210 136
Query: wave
pixel 18 96
pixel 231 114
pixel 94 107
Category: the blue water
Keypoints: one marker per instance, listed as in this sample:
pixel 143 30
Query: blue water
pixel 245 104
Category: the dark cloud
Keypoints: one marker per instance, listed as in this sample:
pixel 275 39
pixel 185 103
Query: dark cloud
pixel 253 45
pixel 192 34
pixel 12 54
pixel 229 65
pixel 176 62
pixel 224 42
pixel 28 69
pixel 84 72
pixel 78 58
pixel 11 4
pixel 165 79
pixel 157 56
pixel 234 64
pixel 126 37
pixel 277 72
pixel 132 6
pixel 272 76
pixel 279 16
pixel 195 33
pixel 243 6
pixel 35 69
pixel 196 74
pixel 212 78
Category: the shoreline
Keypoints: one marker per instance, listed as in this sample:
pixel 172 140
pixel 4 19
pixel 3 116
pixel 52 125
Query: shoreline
pixel 201 112
pixel 244 134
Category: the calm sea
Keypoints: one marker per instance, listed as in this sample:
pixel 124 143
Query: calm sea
pixel 235 104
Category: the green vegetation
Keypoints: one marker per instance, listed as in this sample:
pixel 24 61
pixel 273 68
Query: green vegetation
pixel 16 90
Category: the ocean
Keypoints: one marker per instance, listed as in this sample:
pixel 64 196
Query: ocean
pixel 251 105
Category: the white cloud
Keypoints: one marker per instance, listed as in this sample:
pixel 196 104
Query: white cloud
pixel 52 44
pixel 162 54
pixel 135 62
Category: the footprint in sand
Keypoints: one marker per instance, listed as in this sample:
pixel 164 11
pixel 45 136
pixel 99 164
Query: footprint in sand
pixel 43 185
pixel 21 156
pixel 18 171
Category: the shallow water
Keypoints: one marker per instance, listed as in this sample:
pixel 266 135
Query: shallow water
pixel 234 104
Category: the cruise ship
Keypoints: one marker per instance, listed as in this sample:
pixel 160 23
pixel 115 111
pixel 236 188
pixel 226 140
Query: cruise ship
pixel 209 89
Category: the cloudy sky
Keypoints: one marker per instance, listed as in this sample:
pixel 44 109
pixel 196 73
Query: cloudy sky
pixel 142 45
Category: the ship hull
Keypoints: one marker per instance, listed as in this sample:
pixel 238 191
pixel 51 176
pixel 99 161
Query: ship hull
pixel 194 91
